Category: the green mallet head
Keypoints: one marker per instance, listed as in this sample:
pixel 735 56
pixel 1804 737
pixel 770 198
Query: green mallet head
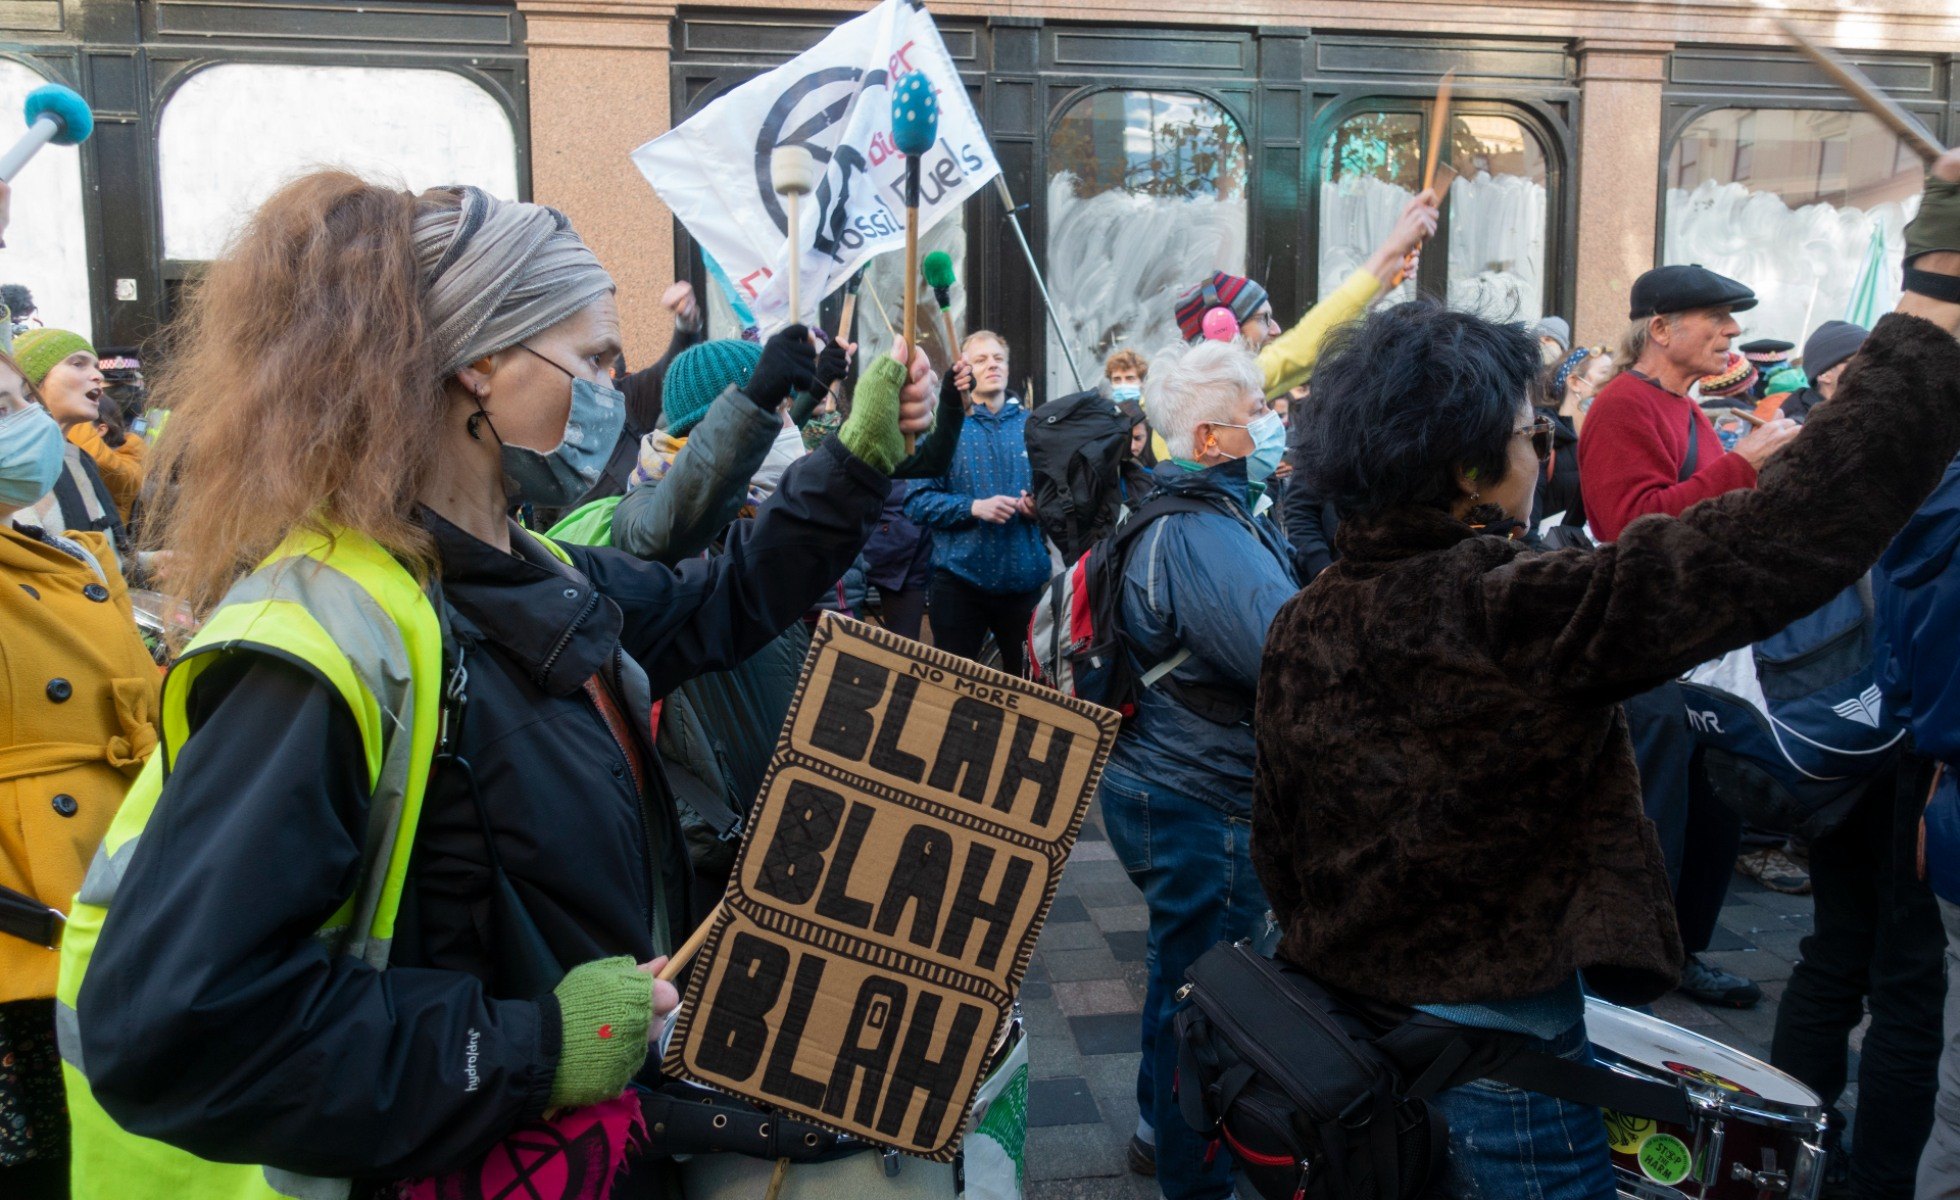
pixel 937 267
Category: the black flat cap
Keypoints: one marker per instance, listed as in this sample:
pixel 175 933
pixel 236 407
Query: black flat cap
pixel 1766 349
pixel 1666 290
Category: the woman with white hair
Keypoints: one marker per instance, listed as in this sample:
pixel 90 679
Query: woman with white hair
pixel 1200 586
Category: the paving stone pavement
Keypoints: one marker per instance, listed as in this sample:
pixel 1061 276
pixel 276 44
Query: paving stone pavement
pixel 1084 993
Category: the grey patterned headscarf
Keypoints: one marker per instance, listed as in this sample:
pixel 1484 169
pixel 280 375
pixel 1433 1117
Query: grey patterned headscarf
pixel 494 272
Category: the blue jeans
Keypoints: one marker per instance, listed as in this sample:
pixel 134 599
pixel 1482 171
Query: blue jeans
pixel 1193 862
pixel 1508 1144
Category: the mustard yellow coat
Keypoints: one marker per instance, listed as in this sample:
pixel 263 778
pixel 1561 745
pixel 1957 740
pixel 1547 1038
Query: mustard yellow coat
pixel 78 704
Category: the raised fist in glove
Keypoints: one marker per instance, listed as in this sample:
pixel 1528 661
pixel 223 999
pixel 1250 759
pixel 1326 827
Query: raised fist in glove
pixel 788 366
pixel 833 363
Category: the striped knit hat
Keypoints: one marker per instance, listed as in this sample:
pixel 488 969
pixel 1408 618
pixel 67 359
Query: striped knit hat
pixel 1735 380
pixel 1243 296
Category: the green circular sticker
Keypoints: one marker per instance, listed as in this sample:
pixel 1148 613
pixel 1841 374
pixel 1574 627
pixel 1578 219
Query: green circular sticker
pixel 1664 1159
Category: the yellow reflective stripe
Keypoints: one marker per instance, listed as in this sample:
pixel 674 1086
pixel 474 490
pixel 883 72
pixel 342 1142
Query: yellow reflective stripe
pixel 557 551
pixel 283 628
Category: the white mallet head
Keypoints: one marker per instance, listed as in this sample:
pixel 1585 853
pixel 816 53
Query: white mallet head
pixel 792 171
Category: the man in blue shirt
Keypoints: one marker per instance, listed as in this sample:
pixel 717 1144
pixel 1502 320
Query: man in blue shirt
pixel 989 560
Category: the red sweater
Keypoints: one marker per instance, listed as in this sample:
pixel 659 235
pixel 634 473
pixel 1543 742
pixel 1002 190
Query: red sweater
pixel 1631 449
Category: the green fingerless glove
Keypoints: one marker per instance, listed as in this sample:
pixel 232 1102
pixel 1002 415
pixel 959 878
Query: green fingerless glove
pixel 604 1008
pixel 871 431
pixel 1937 227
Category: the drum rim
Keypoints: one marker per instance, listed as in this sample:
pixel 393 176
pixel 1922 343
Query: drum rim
pixel 1708 1097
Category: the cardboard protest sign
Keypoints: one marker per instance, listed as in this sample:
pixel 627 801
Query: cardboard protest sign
pixel 900 860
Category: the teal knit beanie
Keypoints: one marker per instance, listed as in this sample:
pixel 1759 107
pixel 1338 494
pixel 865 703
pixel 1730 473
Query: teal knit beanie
pixel 699 374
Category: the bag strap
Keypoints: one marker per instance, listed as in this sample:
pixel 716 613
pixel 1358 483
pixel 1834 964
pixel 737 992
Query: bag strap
pixel 1589 1083
pixel 1689 464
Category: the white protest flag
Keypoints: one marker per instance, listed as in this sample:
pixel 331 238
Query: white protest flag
pixel 834 100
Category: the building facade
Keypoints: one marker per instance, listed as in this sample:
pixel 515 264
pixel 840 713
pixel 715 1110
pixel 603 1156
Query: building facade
pixel 1593 138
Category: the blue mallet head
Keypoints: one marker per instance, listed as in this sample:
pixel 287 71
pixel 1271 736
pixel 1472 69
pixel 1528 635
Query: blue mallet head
pixel 915 114
pixel 68 109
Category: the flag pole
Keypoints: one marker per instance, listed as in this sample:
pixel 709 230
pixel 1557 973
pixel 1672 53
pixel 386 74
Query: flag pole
pixel 1047 302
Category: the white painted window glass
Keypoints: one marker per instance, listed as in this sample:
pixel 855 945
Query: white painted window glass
pixel 47 251
pixel 1497 219
pixel 1146 197
pixel 375 121
pixel 1805 206
pixel 1371 167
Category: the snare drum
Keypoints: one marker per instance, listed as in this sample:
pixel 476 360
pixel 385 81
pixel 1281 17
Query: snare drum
pixel 1754 1133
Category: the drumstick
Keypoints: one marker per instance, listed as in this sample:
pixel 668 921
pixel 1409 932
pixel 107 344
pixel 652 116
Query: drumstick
pixel 915 127
pixel 1438 122
pixel 793 171
pixel 1860 88
pixel 882 314
pixel 776 1178
pixel 1437 125
pixel 679 960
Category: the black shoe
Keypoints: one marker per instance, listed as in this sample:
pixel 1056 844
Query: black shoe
pixel 1713 985
pixel 1143 1157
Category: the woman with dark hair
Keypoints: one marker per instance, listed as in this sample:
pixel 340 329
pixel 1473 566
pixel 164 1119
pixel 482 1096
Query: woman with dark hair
pixel 1447 813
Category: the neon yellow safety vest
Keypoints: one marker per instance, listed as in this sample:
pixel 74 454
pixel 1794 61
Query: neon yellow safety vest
pixel 342 606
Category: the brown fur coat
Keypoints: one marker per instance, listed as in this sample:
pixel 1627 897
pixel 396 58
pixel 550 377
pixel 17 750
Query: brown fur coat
pixel 1447 808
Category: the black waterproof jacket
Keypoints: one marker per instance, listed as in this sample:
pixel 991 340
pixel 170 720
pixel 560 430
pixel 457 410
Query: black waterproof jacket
pixel 1558 480
pixel 212 1017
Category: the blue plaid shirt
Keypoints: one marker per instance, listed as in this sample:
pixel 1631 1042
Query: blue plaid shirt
pixel 991 460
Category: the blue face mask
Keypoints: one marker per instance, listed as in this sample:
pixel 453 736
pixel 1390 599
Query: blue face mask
pixel 556 477
pixel 31 447
pixel 1268 435
pixel 1125 391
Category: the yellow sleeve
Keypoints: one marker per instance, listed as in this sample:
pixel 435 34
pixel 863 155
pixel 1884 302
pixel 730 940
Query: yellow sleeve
pixel 1288 359
pixel 122 473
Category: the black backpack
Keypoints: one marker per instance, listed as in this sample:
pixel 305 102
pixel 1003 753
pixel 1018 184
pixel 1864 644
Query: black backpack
pixel 1075 636
pixel 1321 1096
pixel 1075 452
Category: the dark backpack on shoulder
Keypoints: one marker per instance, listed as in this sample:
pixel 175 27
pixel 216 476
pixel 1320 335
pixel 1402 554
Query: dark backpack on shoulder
pixel 1320 1096
pixel 1075 636
pixel 1075 454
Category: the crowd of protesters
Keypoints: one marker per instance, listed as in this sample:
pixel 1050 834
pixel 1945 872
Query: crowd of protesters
pixel 1408 593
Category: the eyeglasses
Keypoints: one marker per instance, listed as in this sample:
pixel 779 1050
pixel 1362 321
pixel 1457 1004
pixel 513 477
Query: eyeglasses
pixel 1541 436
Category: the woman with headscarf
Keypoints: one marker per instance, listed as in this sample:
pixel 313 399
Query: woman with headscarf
pixel 1447 813
pixel 403 885
pixel 1570 386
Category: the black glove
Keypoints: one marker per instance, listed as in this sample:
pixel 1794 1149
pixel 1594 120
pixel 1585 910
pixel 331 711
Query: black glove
pixel 833 363
pixel 788 365
pixel 949 388
pixel 932 453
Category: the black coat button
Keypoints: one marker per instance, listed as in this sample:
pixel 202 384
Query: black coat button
pixel 65 805
pixel 619 771
pixel 59 690
pixel 96 592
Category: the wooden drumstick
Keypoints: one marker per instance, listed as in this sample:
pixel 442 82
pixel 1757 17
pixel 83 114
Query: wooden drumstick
pixel 915 128
pixel 793 173
pixel 1439 121
pixel 680 958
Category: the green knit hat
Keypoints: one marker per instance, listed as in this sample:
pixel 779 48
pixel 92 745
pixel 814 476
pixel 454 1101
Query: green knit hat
pixel 699 374
pixel 38 350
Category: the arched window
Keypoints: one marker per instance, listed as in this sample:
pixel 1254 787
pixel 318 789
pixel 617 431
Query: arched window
pixel 1494 242
pixel 376 121
pixel 1146 196
pixel 1808 207
pixel 47 247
